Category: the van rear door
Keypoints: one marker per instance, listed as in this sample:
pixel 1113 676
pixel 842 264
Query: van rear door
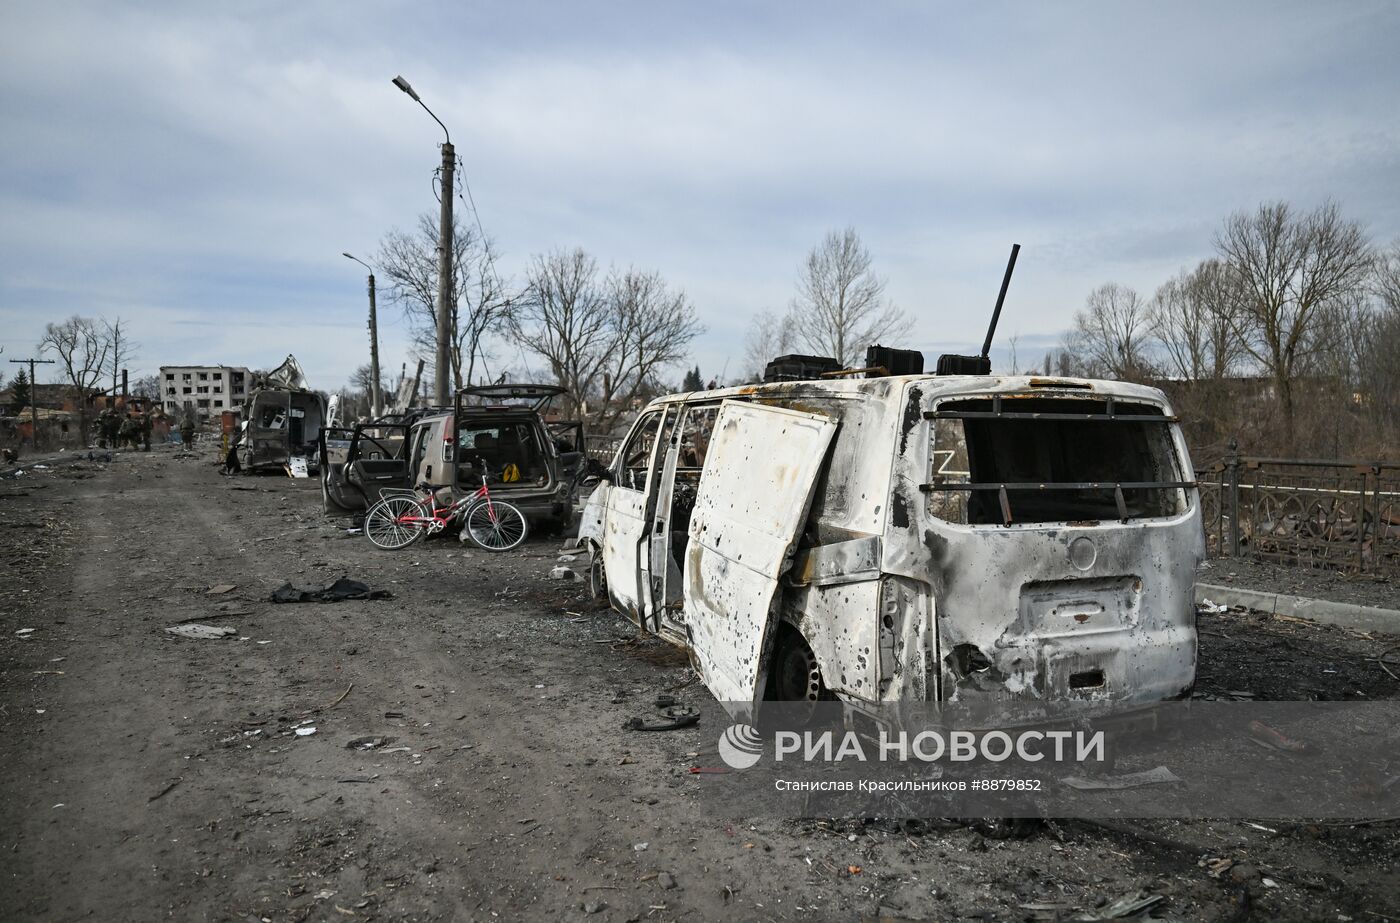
pixel 752 500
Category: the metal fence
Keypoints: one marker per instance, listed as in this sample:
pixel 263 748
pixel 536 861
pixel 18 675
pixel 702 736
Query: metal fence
pixel 603 448
pixel 1304 512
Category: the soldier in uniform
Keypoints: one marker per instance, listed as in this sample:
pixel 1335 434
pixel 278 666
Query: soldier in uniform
pixel 187 433
pixel 144 426
pixel 127 434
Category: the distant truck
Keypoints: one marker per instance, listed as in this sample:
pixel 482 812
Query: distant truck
pixel 282 420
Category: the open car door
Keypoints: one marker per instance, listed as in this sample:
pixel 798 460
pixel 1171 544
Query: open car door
pixel 568 442
pixel 751 503
pixel 377 458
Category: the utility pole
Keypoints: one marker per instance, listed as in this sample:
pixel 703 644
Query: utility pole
pixel 442 365
pixel 34 395
pixel 376 399
pixel 443 369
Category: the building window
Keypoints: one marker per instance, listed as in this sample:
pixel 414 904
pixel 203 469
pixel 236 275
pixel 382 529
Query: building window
pixel 186 376
pixel 218 389
pixel 170 390
pixel 169 376
pixel 218 403
pixel 204 404
pixel 218 376
pixel 203 376
pixel 189 390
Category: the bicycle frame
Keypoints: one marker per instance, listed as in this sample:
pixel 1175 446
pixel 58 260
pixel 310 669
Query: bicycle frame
pixel 440 516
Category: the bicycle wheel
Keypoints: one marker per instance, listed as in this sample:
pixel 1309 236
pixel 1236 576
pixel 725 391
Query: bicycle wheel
pixel 495 525
pixel 384 525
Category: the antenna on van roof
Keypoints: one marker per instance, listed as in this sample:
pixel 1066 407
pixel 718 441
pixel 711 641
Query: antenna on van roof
pixel 1001 298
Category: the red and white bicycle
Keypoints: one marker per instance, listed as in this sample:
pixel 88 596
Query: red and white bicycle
pixel 402 517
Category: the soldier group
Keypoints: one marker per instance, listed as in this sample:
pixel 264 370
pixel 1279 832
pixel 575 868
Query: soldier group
pixel 117 430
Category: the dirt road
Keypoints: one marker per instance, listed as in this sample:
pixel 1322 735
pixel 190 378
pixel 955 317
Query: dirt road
pixel 154 777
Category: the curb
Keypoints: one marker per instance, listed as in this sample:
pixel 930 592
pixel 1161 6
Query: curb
pixel 1345 615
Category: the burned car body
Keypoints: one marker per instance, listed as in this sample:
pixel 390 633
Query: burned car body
pixel 919 538
pixel 496 432
pixel 282 420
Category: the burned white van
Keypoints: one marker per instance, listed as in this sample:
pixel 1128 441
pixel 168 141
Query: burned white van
pixel 282 420
pixel 940 538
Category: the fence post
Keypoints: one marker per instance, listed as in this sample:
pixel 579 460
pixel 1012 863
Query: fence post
pixel 1232 467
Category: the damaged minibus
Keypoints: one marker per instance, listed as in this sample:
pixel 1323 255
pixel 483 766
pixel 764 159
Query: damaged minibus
pixel 282 420
pixel 931 538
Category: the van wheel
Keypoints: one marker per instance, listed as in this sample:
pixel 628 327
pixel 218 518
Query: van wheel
pixel 597 577
pixel 794 675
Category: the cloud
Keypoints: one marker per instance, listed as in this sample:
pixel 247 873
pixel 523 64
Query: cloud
pixel 191 166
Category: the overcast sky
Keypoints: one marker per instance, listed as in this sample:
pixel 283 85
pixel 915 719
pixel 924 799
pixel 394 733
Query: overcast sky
pixel 198 170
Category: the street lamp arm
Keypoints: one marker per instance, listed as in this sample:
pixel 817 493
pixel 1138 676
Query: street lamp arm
pixel 445 134
pixel 360 261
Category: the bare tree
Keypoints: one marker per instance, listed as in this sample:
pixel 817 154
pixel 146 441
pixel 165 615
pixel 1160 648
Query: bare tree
pixel 770 335
pixel 840 307
pixel 1293 268
pixel 147 388
pixel 82 346
pixel 122 352
pixel 603 339
pixel 1385 279
pixel 1192 317
pixel 1109 336
pixel 652 327
pixel 564 320
pixel 479 298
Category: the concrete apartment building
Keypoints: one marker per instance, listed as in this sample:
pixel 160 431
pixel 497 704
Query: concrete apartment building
pixel 206 389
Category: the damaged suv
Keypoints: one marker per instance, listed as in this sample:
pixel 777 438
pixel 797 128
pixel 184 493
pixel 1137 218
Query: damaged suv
pixel 493 431
pixel 941 538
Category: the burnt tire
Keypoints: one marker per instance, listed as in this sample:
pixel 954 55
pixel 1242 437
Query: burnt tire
pixel 597 576
pixel 794 674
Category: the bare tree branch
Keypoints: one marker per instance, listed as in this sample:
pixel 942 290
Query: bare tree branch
pixel 479 298
pixel 1293 268
pixel 83 347
pixel 840 308
pixel 603 340
pixel 1110 333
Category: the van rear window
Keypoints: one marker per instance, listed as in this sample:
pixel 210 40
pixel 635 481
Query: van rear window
pixel 1025 460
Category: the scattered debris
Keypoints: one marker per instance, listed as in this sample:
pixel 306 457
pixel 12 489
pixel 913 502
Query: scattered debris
pixel 25 632
pixel 565 573
pixel 202 632
pixel 1262 734
pixel 306 731
pixel 666 881
pixel 165 791
pixel 1125 906
pixel 341 590
pixel 368 743
pixel 675 716
pixel 1206 605
pixel 1386 663
pixel 1156 776
pixel 221 589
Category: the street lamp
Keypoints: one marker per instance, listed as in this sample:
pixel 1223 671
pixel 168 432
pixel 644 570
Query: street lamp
pixel 445 241
pixel 376 403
